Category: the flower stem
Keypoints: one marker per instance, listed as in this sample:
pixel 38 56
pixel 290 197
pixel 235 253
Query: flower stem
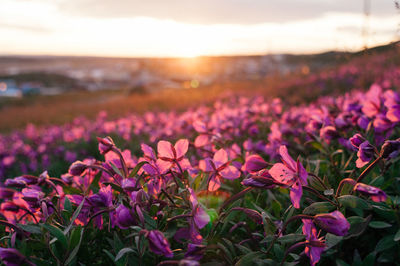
pixel 368 169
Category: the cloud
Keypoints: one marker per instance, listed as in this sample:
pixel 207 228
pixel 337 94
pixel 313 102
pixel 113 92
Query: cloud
pixel 221 11
pixel 35 29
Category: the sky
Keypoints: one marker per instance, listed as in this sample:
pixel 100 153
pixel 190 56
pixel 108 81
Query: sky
pixel 188 28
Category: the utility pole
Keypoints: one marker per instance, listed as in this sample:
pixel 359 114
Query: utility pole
pixel 365 28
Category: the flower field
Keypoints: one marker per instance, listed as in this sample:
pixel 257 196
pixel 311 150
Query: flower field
pixel 244 181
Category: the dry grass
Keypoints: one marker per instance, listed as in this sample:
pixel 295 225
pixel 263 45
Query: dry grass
pixel 46 110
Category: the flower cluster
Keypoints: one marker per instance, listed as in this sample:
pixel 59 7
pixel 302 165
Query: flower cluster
pixel 227 191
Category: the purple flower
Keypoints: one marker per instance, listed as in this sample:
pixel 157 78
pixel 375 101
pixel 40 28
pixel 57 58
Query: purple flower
pixel 125 217
pixel 375 193
pixel 356 140
pixel 6 193
pixel 12 257
pixel 159 244
pixel 365 154
pixel 333 222
pixel 390 149
pixel 128 184
pixel 198 220
pixel 254 163
pixel 77 168
pixel 195 252
pixel 290 173
pixel 169 155
pixel 328 133
pixel 263 180
pixel 219 167
pixel 103 198
pixel 32 197
pixel 314 245
pixel 21 181
pixel 105 145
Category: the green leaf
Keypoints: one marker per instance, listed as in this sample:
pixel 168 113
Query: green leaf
pixel 385 243
pixel 150 221
pixel 76 240
pixel 379 224
pixel 318 207
pixel 122 252
pixel 369 260
pixel 350 201
pixel 243 249
pixel 340 262
pixel 290 238
pixel 397 236
pixel 74 216
pixel 115 168
pixel 31 228
pixel 111 256
pixel 332 240
pixel 137 168
pixel 114 186
pixel 316 145
pixel 67 205
pixel 358 225
pixel 248 259
pixel 58 234
pixel 75 236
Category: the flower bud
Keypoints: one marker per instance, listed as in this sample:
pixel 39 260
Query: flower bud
pixel 6 193
pixel 195 251
pixel 252 214
pixel 375 193
pixel 77 168
pixel 32 197
pixel 356 140
pixel 254 163
pixel 159 244
pixel 11 257
pixel 333 222
pixel 125 217
pixel 390 149
pixel 105 145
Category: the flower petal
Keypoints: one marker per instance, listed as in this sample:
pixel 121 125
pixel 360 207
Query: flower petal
pixel 282 174
pixel 164 149
pixel 181 147
pixel 230 172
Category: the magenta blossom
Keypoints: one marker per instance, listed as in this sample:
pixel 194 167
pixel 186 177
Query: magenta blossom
pixel 333 222
pixel 105 145
pixel 375 193
pixel 262 180
pixel 254 163
pixel 159 244
pixel 169 155
pixel 314 245
pixel 365 154
pixel 290 173
pixel 12 257
pixel 219 167
pixel 124 217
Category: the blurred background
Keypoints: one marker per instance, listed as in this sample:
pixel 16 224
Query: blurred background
pixel 60 59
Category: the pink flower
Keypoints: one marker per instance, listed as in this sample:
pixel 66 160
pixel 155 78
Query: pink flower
pixel 333 222
pixel 314 245
pixel 375 193
pixel 169 156
pixel 105 144
pixel 254 163
pixel 219 167
pixel 290 173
